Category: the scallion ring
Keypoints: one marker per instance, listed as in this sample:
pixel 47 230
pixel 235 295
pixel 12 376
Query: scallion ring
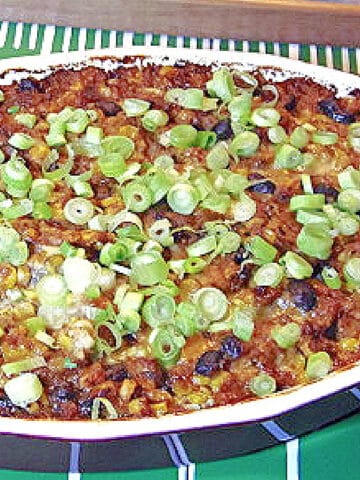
pixel 78 210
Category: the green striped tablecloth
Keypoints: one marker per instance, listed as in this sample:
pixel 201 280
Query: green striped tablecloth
pixel 331 453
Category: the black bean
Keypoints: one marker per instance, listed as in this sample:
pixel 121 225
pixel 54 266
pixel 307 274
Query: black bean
pixel 303 295
pixel 231 348
pixel 6 406
pixel 223 130
pixel 241 279
pixel 331 109
pixel 110 109
pixel 181 235
pixel 85 407
pixel 332 331
pixel 116 373
pixel 256 176
pixel 318 268
pixel 62 394
pixel 29 85
pixel 208 363
pixel 130 338
pixel 291 104
pixel 263 187
pixel 330 193
pixel 240 255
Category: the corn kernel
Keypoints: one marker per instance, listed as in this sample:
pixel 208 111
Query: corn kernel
pixel 39 151
pixel 7 276
pixel 218 381
pixel 135 406
pixel 159 409
pixel 200 397
pixel 349 344
pixel 129 131
pixel 127 389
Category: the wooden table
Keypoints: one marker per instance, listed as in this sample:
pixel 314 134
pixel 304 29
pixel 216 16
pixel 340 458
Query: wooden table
pixel 296 21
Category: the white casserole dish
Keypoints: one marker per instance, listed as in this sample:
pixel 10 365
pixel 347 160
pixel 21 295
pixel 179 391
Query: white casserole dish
pixel 251 411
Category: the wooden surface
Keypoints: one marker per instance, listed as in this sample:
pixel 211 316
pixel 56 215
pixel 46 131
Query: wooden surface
pixel 298 21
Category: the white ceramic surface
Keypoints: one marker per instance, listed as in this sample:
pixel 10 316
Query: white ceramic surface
pixel 250 411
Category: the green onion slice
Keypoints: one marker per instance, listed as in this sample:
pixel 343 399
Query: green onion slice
pixel 134 107
pixel 314 201
pixel 240 109
pixel 262 250
pixel 286 336
pixel 325 138
pixel 277 135
pixel 26 365
pixel 202 247
pixel 205 139
pixel 318 365
pixel 349 178
pixel 243 322
pixel 148 268
pixel 331 278
pixel 218 157
pixel 98 402
pixel 265 117
pixel 24 389
pixel 118 144
pixel 52 290
pixel 222 85
pixel 262 385
pixel 349 200
pixel 182 198
pixel 351 271
pixel 245 144
pixel 111 164
pixel 26 119
pixel 296 266
pixel 78 210
pixel 159 310
pixel 299 137
pixel 182 136
pixel 288 157
pixel 194 265
pixel 137 196
pixel 42 211
pixel 21 141
pixel 268 275
pixel 166 344
pixel 212 303
pixel 244 209
pixel 315 240
pixel 153 119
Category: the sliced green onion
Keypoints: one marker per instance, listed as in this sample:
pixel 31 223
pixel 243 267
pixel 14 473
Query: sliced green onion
pixel 349 200
pixel 159 183
pixel 35 324
pixel 166 344
pixel 212 303
pixel 13 109
pixel 354 136
pixel 182 198
pixel 131 321
pixel 79 274
pixel 286 336
pixel 331 278
pixel 243 322
pixel 186 318
pixel 314 201
pixel 124 217
pixel 205 139
pixel 78 121
pixel 268 275
pixel 274 91
pixel 52 290
pixel 24 389
pixel 315 240
pixel 55 139
pixel 2 96
pixel 229 242
pixel 306 183
pixel 94 135
pixel 277 135
pixel 299 137
pixel 325 138
pixel 137 196
pixel 118 144
pixel 98 402
pixel 164 162
pixel 14 368
pixel 160 232
pixel 351 271
pixel 134 107
pixel 218 202
pixel 17 210
pixel 159 310
pixel 244 209
pixel 78 210
pixel 59 173
pixel 296 266
pixel 153 119
pixel 265 117
pixel 113 253
pixel 288 157
pixel 42 211
pixel 202 247
pixel 68 250
pixel 16 177
pixel 346 223
pixel 349 178
pixel 192 98
pixel 26 119
pixel 194 265
pixel 218 157
pixel 240 109
pixel 41 190
pixel 262 385
pixel 111 164
pixel 304 217
pixel 131 301
pixel 18 254
pixel 203 185
pixel 2 156
pixel 263 251
pixel 182 136
pixel 222 85
pixel 318 365
pixel 244 144
pixel 148 268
